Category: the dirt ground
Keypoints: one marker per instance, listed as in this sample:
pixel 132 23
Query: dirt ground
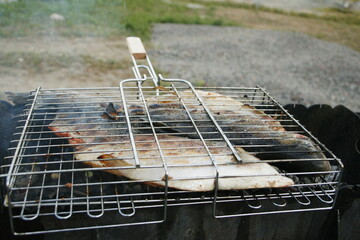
pixel 16 75
pixel 330 31
pixel 60 62
pixel 307 6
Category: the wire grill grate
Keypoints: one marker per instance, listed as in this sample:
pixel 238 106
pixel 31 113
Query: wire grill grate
pixel 46 180
pixel 120 156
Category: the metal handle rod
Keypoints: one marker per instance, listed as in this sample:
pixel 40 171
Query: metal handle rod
pixel 149 68
pixel 138 52
pixel 136 70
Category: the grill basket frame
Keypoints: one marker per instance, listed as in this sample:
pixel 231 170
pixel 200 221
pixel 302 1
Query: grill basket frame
pixel 306 196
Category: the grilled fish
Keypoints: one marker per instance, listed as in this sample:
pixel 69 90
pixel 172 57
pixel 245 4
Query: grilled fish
pixel 101 140
pixel 188 164
pixel 244 125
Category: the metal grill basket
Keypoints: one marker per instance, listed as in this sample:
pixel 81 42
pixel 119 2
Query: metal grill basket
pixel 122 156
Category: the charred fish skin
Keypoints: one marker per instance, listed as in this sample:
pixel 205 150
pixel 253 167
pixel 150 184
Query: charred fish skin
pixel 191 170
pixel 251 131
pixel 305 148
pixel 100 139
pixel 283 145
pixel 246 131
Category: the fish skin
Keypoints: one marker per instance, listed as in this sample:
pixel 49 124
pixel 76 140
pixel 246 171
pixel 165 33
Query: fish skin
pixel 181 151
pixel 83 131
pixel 242 176
pixel 244 130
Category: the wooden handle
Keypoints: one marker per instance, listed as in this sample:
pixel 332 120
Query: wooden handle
pixel 136 47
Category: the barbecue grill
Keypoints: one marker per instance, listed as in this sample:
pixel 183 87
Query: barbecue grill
pixel 45 179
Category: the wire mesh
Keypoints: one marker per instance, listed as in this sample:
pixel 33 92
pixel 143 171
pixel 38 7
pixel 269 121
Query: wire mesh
pixel 136 150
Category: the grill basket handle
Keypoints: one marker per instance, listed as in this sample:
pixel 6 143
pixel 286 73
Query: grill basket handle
pixel 136 47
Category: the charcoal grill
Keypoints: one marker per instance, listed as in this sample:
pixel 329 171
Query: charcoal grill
pixel 44 179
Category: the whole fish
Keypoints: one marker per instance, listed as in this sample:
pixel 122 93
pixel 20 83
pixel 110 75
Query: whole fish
pixel 188 164
pixel 100 137
pixel 244 125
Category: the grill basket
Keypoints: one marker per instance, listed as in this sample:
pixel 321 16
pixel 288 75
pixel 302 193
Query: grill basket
pixel 64 133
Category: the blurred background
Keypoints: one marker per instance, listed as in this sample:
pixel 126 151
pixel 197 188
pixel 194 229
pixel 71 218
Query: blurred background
pixel 301 51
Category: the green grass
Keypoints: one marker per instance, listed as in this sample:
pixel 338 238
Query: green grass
pixel 141 14
pixel 82 18
pixel 114 18
pixel 107 18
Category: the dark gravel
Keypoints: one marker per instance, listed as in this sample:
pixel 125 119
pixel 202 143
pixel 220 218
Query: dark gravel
pixel 293 67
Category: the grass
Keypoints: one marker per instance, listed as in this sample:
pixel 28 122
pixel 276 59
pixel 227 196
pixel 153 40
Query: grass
pixel 107 18
pixel 141 14
pixel 331 24
pixel 82 18
pixel 114 18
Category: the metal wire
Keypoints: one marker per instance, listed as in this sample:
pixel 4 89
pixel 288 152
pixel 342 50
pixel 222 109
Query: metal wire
pixel 135 148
